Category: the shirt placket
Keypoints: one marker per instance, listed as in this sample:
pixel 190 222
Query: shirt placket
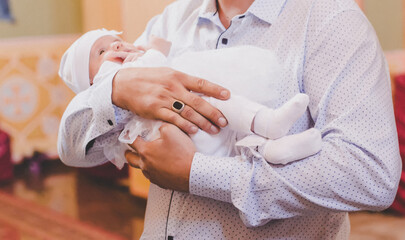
pixel 229 37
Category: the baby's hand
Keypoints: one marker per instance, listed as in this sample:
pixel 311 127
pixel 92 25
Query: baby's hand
pixel 133 56
pixel 129 47
pixel 118 57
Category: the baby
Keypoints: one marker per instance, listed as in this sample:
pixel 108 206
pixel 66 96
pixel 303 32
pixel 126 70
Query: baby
pixel 252 127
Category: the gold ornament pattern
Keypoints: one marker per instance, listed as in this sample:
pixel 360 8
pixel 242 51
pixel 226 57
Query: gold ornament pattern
pixel 32 96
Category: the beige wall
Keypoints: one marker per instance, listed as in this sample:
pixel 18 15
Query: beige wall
pixel 137 13
pixel 42 17
pixel 51 17
pixel 130 16
pixel 387 19
pixel 101 14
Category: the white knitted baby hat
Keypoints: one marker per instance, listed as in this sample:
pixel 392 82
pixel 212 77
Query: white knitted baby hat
pixel 74 65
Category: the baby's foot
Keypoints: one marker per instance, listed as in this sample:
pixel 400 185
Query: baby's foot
pixel 292 147
pixel 275 123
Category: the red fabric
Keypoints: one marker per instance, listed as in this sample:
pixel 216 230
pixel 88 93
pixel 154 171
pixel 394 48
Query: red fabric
pixel 6 165
pixel 399 106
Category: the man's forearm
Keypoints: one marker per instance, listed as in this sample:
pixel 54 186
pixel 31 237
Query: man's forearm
pixel 342 177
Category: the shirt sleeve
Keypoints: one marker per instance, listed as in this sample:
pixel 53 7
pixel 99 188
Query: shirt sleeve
pixel 89 115
pixel 358 168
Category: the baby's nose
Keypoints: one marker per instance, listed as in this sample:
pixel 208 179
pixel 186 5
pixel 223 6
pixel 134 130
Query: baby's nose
pixel 116 46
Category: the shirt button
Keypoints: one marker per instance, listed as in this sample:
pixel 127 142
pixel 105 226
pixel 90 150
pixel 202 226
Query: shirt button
pixel 224 41
pixel 110 122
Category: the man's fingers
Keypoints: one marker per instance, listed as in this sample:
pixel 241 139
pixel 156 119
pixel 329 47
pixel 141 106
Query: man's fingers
pixel 188 120
pixel 199 105
pixel 139 146
pixel 134 160
pixel 190 114
pixel 203 108
pixel 169 116
pixel 168 130
pixel 205 87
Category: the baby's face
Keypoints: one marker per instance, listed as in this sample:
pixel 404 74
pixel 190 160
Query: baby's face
pixel 108 48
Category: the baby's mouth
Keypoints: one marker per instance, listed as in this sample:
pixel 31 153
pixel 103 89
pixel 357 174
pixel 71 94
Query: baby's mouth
pixel 118 57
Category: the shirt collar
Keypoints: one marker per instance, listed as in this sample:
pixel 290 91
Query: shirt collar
pixel 208 9
pixel 266 10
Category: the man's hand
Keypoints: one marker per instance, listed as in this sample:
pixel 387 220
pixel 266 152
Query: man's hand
pixel 166 161
pixel 150 93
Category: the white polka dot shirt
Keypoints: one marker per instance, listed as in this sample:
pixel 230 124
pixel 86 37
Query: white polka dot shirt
pixel 329 51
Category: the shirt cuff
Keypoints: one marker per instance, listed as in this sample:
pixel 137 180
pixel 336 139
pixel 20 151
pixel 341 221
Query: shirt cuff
pixel 121 114
pixel 211 176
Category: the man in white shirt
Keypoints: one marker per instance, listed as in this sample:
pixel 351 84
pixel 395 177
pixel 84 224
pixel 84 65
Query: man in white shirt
pixel 328 50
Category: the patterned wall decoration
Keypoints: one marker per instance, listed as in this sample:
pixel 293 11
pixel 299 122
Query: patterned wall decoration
pixel 32 97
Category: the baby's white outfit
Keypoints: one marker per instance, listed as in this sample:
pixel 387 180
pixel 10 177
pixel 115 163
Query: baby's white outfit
pixel 234 69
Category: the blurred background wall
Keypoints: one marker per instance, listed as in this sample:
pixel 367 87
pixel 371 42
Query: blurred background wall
pixel 387 18
pixel 42 17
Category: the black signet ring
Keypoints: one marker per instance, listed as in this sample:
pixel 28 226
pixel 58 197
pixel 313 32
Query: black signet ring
pixel 178 106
